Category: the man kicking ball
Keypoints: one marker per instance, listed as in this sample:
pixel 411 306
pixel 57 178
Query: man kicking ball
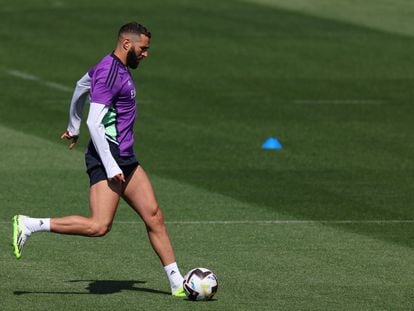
pixel 113 169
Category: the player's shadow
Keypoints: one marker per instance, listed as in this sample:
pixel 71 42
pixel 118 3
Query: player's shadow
pixel 101 287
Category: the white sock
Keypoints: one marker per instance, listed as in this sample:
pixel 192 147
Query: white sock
pixel 174 276
pixel 37 224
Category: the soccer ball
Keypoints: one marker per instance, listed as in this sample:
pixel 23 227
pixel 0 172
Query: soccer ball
pixel 200 284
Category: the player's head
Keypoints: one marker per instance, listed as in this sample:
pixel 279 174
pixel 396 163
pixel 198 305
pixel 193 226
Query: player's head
pixel 134 40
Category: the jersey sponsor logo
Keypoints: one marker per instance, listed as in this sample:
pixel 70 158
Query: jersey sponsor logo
pixel 133 93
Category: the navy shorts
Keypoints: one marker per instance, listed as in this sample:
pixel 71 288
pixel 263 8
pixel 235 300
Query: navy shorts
pixel 95 168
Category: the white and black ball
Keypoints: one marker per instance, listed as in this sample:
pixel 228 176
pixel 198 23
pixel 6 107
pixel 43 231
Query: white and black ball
pixel 200 284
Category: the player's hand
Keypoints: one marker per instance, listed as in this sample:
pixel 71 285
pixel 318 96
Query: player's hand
pixel 120 178
pixel 67 136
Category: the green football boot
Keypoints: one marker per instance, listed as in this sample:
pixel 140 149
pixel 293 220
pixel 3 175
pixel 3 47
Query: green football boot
pixel 20 235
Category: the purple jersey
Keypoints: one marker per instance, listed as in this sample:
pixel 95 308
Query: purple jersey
pixel 112 85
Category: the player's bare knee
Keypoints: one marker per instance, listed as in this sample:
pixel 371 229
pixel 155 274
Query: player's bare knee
pixel 99 229
pixel 156 220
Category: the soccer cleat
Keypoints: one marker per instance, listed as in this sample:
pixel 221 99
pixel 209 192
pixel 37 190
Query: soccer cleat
pixel 20 235
pixel 179 293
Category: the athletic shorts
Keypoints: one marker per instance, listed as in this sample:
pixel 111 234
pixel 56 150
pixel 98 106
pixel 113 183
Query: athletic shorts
pixel 95 168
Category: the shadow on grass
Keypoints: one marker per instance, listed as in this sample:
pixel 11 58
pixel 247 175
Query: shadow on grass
pixel 100 287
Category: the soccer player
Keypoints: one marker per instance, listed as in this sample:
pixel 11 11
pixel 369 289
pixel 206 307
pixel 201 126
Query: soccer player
pixel 113 169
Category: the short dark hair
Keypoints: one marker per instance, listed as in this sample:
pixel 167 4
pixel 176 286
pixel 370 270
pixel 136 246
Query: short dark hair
pixel 135 28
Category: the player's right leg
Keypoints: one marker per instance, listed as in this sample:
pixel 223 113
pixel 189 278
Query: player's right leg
pixel 141 197
pixel 104 198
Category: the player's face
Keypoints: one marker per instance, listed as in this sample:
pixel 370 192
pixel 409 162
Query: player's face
pixel 138 51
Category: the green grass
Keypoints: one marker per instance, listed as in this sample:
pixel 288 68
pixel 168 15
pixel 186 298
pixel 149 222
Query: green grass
pixel 390 16
pixel 222 77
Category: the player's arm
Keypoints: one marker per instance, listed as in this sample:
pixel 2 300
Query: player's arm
pixel 76 109
pixel 97 130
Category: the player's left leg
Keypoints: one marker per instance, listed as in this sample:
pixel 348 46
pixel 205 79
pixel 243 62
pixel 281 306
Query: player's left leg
pixel 103 198
pixel 140 196
pixel 103 202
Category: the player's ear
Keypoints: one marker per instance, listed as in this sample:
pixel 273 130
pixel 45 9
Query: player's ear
pixel 126 44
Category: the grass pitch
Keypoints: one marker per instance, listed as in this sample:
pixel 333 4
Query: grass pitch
pixel 325 223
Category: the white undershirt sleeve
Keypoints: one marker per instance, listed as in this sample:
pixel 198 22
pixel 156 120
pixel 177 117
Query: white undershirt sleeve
pixel 78 102
pixel 97 130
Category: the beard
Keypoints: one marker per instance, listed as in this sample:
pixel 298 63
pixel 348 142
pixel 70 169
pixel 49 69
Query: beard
pixel 132 60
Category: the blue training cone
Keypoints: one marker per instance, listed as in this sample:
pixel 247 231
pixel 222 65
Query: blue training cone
pixel 271 143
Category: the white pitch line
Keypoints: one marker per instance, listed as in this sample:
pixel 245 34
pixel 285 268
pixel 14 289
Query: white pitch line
pixel 280 222
pixel 29 77
pixel 340 101
pixel 270 222
pixel 53 85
